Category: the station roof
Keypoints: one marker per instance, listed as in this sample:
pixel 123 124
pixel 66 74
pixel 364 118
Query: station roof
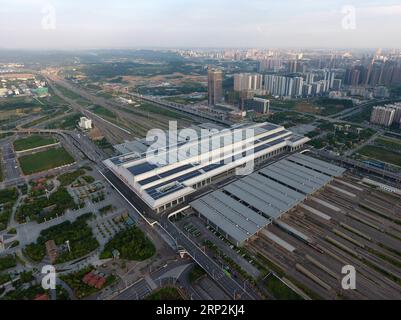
pixel 317 165
pixel 243 207
pixel 232 217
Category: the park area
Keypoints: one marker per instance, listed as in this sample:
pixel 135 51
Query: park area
pixel 31 142
pixel 78 233
pixel 45 160
pixel 132 244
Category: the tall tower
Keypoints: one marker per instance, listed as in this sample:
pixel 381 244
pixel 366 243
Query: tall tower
pixel 215 86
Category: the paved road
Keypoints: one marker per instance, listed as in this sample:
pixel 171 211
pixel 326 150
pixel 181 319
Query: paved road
pixel 232 288
pixel 143 287
pixel 11 166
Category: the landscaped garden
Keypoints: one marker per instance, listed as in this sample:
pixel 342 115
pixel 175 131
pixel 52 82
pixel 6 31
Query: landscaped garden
pixel 132 244
pixel 78 233
pixel 40 207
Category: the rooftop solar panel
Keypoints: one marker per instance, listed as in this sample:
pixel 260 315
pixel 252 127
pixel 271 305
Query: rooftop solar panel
pixel 149 180
pixel 175 170
pixel 141 168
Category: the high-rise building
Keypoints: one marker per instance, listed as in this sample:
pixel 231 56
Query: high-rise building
pixel 248 82
pixel 270 64
pixel 279 85
pixel 215 86
pixel 310 78
pixel 383 116
pixel 298 85
pixel 337 84
pixel 293 66
pixel 397 111
pixel 317 88
pixel 307 90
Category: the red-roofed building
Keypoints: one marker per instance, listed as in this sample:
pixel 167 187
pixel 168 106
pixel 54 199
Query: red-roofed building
pixel 100 283
pixel 42 297
pixel 87 277
pixel 94 280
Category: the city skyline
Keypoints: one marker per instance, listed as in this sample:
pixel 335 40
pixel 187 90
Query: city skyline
pixel 129 24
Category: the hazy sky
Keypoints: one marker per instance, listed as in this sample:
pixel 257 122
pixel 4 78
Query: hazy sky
pixel 197 23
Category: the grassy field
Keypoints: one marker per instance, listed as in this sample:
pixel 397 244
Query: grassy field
pixel 72 95
pixel 103 112
pixel 381 154
pixel 66 123
pixel 279 290
pixel 393 144
pixel 186 100
pixel 159 110
pixel 32 142
pixel 322 106
pixel 45 160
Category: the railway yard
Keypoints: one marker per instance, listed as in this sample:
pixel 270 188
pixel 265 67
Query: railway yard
pixel 119 122
pixel 345 223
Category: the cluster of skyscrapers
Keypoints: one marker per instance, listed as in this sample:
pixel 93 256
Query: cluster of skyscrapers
pixel 386 115
pixel 285 86
pixel 248 82
pixel 376 73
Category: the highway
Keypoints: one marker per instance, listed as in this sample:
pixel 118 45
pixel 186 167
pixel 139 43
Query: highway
pixel 12 171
